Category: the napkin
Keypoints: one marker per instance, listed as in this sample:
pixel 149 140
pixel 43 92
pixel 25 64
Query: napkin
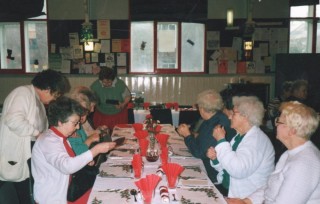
pixel 164 155
pixel 157 129
pixel 162 139
pixel 176 106
pixel 172 171
pixel 146 105
pixel 137 165
pixel 137 126
pixel 147 186
pixel 169 105
pixel 142 134
pixel 143 143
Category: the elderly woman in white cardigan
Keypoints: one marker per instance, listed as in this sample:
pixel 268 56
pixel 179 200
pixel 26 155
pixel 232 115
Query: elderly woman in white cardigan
pixel 246 162
pixel 296 179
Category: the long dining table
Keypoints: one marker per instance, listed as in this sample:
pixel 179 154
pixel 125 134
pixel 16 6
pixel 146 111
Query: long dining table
pixel 115 180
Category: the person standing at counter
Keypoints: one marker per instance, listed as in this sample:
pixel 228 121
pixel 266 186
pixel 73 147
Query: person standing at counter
pixel 114 95
pixel 23 120
pixel 210 106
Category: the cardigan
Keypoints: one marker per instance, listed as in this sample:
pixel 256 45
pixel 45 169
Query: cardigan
pixel 23 118
pixel 51 168
pixel 295 180
pixel 249 166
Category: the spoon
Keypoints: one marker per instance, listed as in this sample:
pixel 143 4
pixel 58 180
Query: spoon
pixel 134 193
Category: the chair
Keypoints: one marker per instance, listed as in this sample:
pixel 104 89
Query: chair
pixel 189 117
pixel 163 115
pixel 130 116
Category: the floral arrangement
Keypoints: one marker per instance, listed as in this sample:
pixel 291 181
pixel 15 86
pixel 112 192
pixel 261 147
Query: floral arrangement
pixel 150 123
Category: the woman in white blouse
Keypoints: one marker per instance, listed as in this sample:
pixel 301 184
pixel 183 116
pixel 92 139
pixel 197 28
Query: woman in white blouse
pixel 246 162
pixel 296 179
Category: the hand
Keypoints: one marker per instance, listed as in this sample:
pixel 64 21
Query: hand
pixel 91 163
pixel 211 153
pixel 102 147
pixel 218 132
pixel 183 130
pixel 95 137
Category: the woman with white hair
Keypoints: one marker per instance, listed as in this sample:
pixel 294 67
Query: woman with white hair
pixel 296 179
pixel 245 163
pixel 210 107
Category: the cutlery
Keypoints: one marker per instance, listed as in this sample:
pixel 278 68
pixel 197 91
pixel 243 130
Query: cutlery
pixel 134 193
pixel 174 197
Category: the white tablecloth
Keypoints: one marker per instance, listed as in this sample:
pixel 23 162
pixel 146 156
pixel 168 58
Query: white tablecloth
pixel 140 116
pixel 115 180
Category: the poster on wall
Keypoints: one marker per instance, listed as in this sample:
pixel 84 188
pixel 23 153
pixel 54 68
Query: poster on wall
pixel 213 40
pixel 109 60
pixel 103 27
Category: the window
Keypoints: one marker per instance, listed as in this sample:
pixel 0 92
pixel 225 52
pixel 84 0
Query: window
pixel 24 45
pixel 178 48
pixel 304 29
pixel 10 46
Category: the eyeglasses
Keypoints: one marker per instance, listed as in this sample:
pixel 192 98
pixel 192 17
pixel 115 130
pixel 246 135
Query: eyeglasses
pixel 75 123
pixel 277 122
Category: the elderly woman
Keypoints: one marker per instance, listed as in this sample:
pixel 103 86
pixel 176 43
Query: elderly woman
pixel 114 96
pixel 210 105
pixel 245 163
pixel 53 159
pixel 85 136
pixel 296 179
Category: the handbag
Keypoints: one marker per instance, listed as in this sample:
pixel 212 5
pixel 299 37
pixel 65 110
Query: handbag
pixel 81 182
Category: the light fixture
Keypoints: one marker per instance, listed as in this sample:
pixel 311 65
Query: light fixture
pixel 247 45
pixel 86 33
pixel 230 17
pixel 88 46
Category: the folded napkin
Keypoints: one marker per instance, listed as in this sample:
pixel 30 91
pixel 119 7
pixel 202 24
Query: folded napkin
pixel 164 155
pixel 157 129
pixel 147 186
pixel 137 126
pixel 162 139
pixel 137 165
pixel 176 106
pixel 123 126
pixel 146 105
pixel 172 171
pixel 141 134
pixel 169 105
pixel 143 143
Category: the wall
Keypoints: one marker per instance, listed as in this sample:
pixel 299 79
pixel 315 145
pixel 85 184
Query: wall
pixel 157 88
pixel 118 9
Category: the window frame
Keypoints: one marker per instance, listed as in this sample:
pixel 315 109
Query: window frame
pixel 314 21
pixel 156 69
pixel 22 69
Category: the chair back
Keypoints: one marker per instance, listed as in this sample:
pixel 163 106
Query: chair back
pixel 130 116
pixel 163 115
pixel 189 117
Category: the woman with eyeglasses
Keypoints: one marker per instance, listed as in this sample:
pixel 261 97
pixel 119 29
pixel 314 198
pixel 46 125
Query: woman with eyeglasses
pixel 114 96
pixel 85 136
pixel 296 178
pixel 245 163
pixel 53 160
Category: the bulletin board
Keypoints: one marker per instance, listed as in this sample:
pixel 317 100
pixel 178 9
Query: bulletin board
pixel 109 49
